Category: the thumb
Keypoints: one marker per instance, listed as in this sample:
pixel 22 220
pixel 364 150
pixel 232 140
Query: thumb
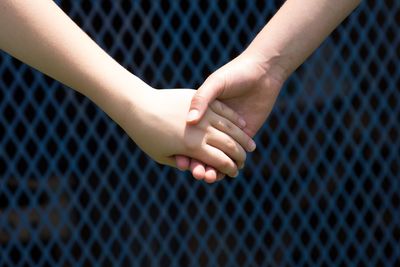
pixel 207 93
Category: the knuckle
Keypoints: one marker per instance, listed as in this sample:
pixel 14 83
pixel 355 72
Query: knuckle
pixel 226 165
pixel 190 144
pixel 221 125
pixel 216 105
pixel 231 145
pixel 225 110
pixel 221 107
pixel 229 126
pixel 222 164
pixel 226 126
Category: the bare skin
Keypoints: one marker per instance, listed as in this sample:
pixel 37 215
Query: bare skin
pixel 40 34
pixel 250 83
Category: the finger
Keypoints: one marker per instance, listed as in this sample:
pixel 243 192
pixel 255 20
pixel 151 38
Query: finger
pixel 220 176
pixel 227 144
pixel 229 128
pixel 241 166
pixel 208 91
pixel 198 169
pixel 220 161
pixel 211 175
pixel 228 113
pixel 182 162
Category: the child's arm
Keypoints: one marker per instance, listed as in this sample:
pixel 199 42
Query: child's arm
pixel 41 35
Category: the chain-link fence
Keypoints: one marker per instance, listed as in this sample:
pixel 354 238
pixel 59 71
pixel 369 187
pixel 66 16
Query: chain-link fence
pixel 322 189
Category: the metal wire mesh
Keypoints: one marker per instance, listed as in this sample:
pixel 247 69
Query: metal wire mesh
pixel 322 189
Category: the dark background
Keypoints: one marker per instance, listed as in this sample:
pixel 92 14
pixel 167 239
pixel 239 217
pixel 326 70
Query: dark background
pixel 322 189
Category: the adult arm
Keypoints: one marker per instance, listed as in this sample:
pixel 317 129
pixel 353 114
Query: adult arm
pixel 292 34
pixel 251 82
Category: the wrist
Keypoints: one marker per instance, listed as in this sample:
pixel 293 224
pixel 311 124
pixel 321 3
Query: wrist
pixel 120 94
pixel 271 65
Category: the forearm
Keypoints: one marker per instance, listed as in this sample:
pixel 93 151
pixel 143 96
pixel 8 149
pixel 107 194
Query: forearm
pixel 40 34
pixel 296 30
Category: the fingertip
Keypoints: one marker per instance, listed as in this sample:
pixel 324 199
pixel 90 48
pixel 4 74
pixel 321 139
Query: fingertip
pixel 209 181
pixel 251 146
pixel 182 162
pixel 241 166
pixel 210 175
pixel 198 175
pixel 234 174
pixel 197 169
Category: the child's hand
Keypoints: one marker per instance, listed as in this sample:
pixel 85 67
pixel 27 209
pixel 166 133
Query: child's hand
pixel 161 131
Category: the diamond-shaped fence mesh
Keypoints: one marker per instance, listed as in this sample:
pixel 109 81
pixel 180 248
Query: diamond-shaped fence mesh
pixel 322 189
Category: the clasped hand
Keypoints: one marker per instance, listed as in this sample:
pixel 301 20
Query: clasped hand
pixel 212 142
pixel 161 131
pixel 249 87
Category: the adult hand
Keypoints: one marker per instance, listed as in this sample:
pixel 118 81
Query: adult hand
pixel 247 86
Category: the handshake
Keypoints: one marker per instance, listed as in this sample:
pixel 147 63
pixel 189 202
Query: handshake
pixel 207 131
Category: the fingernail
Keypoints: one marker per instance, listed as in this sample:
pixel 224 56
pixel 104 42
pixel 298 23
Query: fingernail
pixel 251 145
pixel 242 123
pixel 236 174
pixel 193 114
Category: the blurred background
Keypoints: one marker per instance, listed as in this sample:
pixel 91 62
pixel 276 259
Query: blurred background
pixel 322 189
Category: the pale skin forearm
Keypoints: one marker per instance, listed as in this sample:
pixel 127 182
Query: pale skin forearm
pixel 296 30
pixel 40 34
